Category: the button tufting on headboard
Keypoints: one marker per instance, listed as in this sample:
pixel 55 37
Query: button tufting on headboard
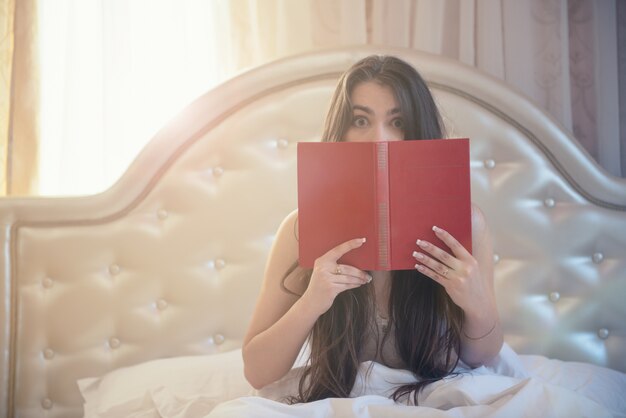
pixel 46 403
pixel 597 258
pixel 48 354
pixel 161 304
pixel 489 163
pixel 282 143
pixel 114 343
pixel 162 214
pixel 554 296
pixel 114 269
pixel 47 283
pixel 549 202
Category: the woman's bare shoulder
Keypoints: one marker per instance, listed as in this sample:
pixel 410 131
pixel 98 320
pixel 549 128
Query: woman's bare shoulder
pixel 292 216
pixel 282 267
pixel 288 229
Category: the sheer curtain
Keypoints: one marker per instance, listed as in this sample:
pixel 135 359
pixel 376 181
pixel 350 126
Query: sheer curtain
pixel 114 71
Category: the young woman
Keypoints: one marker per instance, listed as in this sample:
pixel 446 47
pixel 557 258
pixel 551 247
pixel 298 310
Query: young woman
pixel 423 320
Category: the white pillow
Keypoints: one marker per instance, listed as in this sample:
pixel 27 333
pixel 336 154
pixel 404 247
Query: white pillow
pixel 218 377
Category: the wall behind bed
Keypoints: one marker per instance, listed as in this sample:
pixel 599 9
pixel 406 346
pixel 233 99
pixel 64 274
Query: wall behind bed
pixel 169 261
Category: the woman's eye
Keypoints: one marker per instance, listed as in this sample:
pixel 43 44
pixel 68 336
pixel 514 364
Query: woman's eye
pixel 397 123
pixel 359 122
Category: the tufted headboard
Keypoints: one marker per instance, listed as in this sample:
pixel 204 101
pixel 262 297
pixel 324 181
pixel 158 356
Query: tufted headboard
pixel 169 260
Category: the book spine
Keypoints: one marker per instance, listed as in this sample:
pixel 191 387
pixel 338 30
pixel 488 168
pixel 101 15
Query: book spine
pixel 382 204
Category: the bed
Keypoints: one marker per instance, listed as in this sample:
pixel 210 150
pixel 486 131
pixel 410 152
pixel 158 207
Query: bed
pixel 134 302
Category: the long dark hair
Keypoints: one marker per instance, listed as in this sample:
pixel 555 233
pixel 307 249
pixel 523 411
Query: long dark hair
pixel 427 323
pixel 422 119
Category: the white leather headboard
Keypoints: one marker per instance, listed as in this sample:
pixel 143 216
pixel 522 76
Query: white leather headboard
pixel 169 261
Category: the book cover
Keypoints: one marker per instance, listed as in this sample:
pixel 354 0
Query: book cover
pixel 390 193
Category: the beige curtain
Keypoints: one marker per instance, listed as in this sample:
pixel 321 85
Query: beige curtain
pixel 19 102
pixel 99 75
pixel 259 31
pixel 7 12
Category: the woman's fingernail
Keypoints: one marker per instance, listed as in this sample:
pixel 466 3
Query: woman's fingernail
pixel 436 229
pixel 421 243
pixel 418 255
pixel 363 239
pixel 369 278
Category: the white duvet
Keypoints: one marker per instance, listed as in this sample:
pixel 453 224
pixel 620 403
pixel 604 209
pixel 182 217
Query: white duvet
pixel 213 386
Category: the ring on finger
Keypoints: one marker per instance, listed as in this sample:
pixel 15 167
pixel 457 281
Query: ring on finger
pixel 445 272
pixel 338 269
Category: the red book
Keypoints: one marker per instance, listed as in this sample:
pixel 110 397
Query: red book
pixel 391 193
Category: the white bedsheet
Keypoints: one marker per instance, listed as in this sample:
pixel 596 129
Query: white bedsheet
pixel 514 386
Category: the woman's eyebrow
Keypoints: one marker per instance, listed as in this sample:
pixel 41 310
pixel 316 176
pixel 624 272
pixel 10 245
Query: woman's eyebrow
pixel 363 108
pixel 369 111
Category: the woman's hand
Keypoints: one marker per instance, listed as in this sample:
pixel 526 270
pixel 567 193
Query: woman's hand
pixel 330 278
pixel 468 280
pixel 459 273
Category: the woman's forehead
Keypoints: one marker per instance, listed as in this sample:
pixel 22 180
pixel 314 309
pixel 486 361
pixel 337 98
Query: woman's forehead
pixel 374 92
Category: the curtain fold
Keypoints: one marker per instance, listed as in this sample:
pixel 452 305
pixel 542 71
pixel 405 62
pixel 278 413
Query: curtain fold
pixel 598 83
pixel 7 15
pixel 19 106
pixel 621 70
